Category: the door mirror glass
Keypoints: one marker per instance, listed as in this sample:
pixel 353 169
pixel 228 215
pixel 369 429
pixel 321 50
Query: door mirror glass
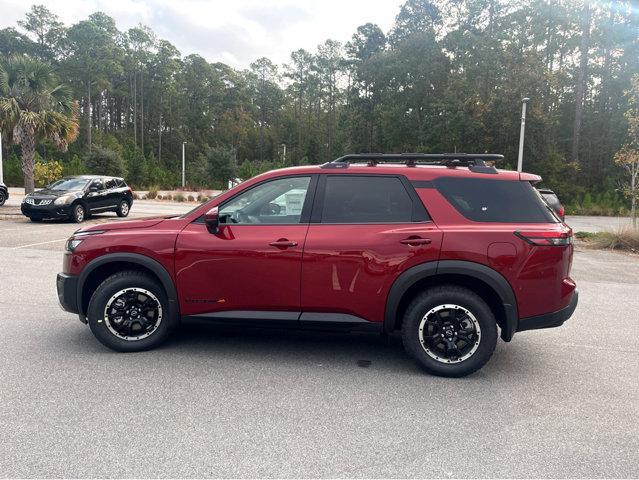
pixel 212 220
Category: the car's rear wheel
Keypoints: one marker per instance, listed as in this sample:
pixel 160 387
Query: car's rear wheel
pixel 129 312
pixel 78 213
pixel 123 209
pixel 35 219
pixel 3 198
pixel 450 331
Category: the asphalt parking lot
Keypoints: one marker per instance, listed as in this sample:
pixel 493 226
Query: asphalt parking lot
pixel 222 402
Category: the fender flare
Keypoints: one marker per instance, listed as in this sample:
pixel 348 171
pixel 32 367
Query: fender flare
pixel 142 260
pixel 491 277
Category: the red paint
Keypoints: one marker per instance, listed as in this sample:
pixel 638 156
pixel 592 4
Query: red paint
pixel 335 268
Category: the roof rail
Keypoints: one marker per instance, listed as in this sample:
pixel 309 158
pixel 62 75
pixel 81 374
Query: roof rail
pixel 476 162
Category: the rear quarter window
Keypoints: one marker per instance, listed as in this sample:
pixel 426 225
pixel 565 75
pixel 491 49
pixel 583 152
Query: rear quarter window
pixel 483 200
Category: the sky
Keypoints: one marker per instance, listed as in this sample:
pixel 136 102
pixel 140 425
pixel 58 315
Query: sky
pixel 235 32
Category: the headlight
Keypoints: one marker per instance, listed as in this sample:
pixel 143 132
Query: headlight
pixel 72 244
pixel 78 237
pixel 65 199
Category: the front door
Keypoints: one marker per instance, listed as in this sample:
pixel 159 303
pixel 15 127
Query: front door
pixel 251 267
pixel 97 196
pixel 365 231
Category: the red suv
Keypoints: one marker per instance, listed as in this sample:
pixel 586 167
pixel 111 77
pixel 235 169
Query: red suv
pixel 443 248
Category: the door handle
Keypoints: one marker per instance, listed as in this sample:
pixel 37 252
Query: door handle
pixel 283 243
pixel 415 241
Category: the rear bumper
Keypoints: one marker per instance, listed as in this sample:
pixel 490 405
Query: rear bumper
pixel 46 211
pixel 550 320
pixel 67 286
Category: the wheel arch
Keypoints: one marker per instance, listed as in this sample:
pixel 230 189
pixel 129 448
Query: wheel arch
pixel 481 279
pixel 100 268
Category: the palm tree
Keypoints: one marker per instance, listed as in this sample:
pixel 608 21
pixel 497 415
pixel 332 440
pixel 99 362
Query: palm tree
pixel 35 107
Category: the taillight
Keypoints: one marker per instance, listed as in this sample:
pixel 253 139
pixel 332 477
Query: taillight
pixel 562 211
pixel 552 239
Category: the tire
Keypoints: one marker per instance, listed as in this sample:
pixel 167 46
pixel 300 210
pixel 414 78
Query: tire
pixel 3 198
pixel 123 209
pixel 35 219
pixel 431 326
pixel 78 213
pixel 104 324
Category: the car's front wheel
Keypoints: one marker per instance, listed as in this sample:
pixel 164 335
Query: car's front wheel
pixel 3 198
pixel 123 209
pixel 129 312
pixel 450 331
pixel 78 213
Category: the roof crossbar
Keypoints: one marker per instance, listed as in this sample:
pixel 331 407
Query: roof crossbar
pixel 412 159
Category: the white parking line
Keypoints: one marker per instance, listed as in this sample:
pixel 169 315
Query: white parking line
pixel 42 243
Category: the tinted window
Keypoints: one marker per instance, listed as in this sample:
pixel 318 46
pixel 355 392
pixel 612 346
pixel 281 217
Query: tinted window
pixel 98 184
pixel 373 199
pixel 277 201
pixel 69 184
pixel 110 183
pixel 484 200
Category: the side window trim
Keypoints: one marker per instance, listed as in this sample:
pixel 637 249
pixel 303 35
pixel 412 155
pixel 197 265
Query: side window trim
pixel 306 208
pixel 418 215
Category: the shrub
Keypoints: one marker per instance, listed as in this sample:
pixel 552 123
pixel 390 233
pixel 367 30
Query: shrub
pixel 168 197
pixel 159 197
pixel 13 171
pixel 625 238
pixel 153 193
pixel 105 162
pixel 191 198
pixel 203 198
pixel 45 173
pixel 179 198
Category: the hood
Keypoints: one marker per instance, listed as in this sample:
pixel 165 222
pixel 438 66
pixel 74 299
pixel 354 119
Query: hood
pixel 46 193
pixel 124 225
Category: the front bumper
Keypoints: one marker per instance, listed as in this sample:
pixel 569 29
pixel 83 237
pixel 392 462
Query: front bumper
pixel 45 211
pixel 550 320
pixel 67 286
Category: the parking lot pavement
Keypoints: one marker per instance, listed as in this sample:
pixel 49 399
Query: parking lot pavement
pixel 252 403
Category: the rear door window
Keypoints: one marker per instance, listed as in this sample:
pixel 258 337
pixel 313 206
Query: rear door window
pixel 366 199
pixel 483 200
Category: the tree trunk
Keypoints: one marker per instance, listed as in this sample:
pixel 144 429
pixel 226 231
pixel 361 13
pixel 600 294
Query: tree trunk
pixel 28 153
pixel 135 108
pixel 88 115
pixel 160 136
pixel 142 111
pixel 581 81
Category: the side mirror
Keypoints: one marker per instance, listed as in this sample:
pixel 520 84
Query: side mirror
pixel 212 220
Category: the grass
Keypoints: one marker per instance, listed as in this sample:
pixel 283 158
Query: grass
pixel 626 238
pixel 153 193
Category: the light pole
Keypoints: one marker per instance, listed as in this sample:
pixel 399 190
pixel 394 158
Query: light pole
pixel 1 176
pixel 520 158
pixel 183 176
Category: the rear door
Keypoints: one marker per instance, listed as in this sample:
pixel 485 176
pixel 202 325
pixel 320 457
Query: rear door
pixel 365 230
pixel 113 193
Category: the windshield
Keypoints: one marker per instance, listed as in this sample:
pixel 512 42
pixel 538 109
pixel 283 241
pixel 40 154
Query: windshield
pixel 69 184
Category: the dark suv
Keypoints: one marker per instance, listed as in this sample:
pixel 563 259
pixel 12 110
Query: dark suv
pixel 78 197
pixel 442 248
pixel 4 193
